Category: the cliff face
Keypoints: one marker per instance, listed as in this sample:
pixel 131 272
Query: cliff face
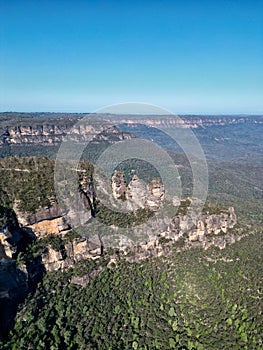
pixel 52 131
pixel 187 233
pixel 44 129
pixel 50 227
pixel 76 250
pixel 13 289
pixel 185 121
pixel 203 231
pixel 43 213
pixel 10 233
pixel 45 221
pixel 198 227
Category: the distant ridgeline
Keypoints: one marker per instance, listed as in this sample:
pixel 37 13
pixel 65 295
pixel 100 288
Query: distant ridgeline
pixel 42 134
pixel 25 134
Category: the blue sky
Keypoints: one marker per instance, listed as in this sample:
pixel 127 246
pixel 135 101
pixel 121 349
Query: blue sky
pixel 187 56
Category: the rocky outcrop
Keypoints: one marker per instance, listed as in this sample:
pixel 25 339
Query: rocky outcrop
pixel 85 279
pixel 199 227
pixel 137 194
pixel 52 259
pixel 77 250
pixel 81 249
pixel 10 235
pixel 155 194
pixel 119 186
pixel 50 227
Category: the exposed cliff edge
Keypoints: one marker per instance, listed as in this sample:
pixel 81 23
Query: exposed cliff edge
pixel 52 131
pixel 183 231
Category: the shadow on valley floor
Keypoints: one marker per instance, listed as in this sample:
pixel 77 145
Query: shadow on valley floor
pixel 17 280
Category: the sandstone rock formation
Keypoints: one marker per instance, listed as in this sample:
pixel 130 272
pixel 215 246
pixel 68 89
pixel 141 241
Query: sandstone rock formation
pixel 52 131
pixel 119 186
pixel 136 194
pixel 52 259
pixel 203 231
pixel 76 250
pixel 49 227
pixel 199 227
pixel 155 194
pixel 46 213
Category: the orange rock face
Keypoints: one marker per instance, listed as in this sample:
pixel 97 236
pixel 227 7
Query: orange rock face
pixel 48 227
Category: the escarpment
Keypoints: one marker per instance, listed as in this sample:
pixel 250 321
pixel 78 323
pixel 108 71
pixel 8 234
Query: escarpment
pixel 183 233
pixel 186 229
pixel 35 235
pixel 52 131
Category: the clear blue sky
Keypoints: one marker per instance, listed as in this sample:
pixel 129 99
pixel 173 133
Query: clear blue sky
pixel 187 56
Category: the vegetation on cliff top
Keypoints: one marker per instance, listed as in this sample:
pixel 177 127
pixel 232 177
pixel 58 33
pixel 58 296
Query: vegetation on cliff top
pixel 28 181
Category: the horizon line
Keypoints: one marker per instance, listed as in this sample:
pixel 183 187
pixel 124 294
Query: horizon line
pixel 168 114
